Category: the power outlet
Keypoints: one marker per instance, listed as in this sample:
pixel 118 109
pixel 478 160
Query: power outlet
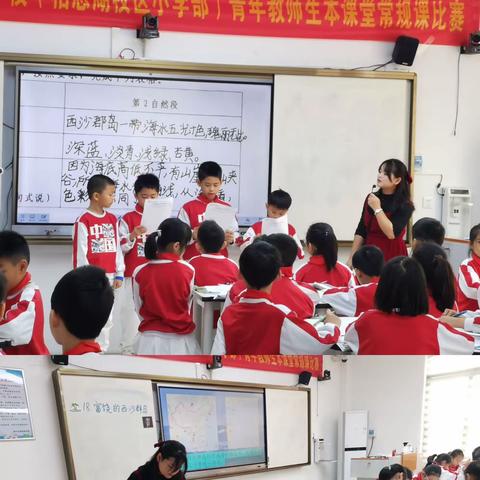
pixel 371 433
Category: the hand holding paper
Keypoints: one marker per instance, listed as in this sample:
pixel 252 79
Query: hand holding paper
pixel 275 225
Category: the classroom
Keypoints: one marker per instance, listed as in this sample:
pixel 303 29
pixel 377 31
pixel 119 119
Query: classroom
pixel 347 416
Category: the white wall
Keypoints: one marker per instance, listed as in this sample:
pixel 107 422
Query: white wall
pixel 456 157
pixel 45 453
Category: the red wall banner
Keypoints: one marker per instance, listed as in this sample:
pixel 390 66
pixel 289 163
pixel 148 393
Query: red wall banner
pixel 273 363
pixel 447 22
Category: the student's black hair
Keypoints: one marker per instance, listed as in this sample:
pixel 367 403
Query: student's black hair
pixel 396 168
pixel 280 199
pixel 474 233
pixel 433 470
pixel 408 473
pixel 429 230
pixel 175 450
pixel 146 180
pixel 476 453
pixel 456 453
pixel 402 288
pixel 3 288
pixel 211 236
pixel 473 470
pixel 97 184
pixel 441 457
pixel 171 230
pixel 13 247
pixel 209 169
pixel 387 473
pixel 322 237
pixel 369 260
pixel 286 245
pixel 259 264
pixel 438 274
pixel 83 299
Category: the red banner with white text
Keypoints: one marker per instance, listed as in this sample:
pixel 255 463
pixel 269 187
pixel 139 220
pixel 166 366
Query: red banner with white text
pixel 273 363
pixel 447 22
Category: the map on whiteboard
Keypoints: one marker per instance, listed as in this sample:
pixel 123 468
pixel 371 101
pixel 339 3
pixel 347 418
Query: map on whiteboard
pixel 193 421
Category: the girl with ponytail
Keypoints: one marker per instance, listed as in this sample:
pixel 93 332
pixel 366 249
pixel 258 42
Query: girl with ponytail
pixel 168 463
pixel 162 293
pixel 439 276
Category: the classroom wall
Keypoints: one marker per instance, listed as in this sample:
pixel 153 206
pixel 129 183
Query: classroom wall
pixel 45 453
pixel 454 157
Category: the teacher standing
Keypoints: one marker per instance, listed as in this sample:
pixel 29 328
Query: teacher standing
pixel 386 213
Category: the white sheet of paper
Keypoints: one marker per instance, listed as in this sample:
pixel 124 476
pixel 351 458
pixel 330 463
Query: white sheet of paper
pixel 222 214
pixel 275 225
pixel 155 212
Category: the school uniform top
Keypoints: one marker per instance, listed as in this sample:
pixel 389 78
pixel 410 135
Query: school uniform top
pixel 299 297
pixel 351 301
pixel 162 294
pixel 468 292
pixel 23 320
pixel 256 229
pixel 214 269
pixel 433 309
pixel 133 250
pixel 96 242
pixel 316 271
pixel 380 333
pixel 255 325
pixel 456 471
pixel 150 471
pixel 193 214
pixel 84 347
pixel 369 229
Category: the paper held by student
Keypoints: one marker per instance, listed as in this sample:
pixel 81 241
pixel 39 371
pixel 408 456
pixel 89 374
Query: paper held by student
pixel 275 225
pixel 155 211
pixel 222 214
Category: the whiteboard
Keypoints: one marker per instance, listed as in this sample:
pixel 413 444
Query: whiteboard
pixel 288 438
pixel 108 434
pixel 72 124
pixel 330 135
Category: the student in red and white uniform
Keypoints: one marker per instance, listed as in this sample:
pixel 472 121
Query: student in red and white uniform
pixel 323 266
pixel 81 303
pixel 439 276
pixel 255 325
pixel 455 466
pixel 469 275
pixel 400 324
pixel 96 240
pixel 162 293
pixel 299 297
pixel 3 298
pixel 277 206
pixel 193 212
pixel 132 242
pixel 352 301
pixel 211 267
pixel 430 472
pixel 385 213
pixel 22 321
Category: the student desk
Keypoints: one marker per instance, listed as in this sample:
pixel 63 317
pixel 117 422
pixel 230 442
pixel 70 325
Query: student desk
pixel 204 306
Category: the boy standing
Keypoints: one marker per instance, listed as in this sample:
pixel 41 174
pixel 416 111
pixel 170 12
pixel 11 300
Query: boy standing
pixel 22 322
pixel 96 241
pixel 193 212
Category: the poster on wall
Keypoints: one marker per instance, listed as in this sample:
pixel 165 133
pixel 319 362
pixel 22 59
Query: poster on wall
pixel 15 419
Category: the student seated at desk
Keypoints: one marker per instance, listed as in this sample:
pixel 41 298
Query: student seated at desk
pixel 392 472
pixel 430 472
pixel 278 204
pixel 400 325
pixel 469 275
pixel 81 304
pixel 323 266
pixel 442 462
pixel 22 322
pixel 299 297
pixel 367 263
pixel 439 276
pixel 255 325
pixel 3 298
pixel 211 267
pixel 427 230
pixel 469 321
pixel 162 293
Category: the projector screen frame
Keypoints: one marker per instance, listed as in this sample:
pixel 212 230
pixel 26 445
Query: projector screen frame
pixel 173 381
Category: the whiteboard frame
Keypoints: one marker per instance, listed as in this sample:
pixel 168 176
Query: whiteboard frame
pixel 254 72
pixel 62 411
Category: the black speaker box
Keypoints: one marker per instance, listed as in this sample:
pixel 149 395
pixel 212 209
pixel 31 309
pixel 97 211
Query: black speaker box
pixel 304 378
pixel 405 50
